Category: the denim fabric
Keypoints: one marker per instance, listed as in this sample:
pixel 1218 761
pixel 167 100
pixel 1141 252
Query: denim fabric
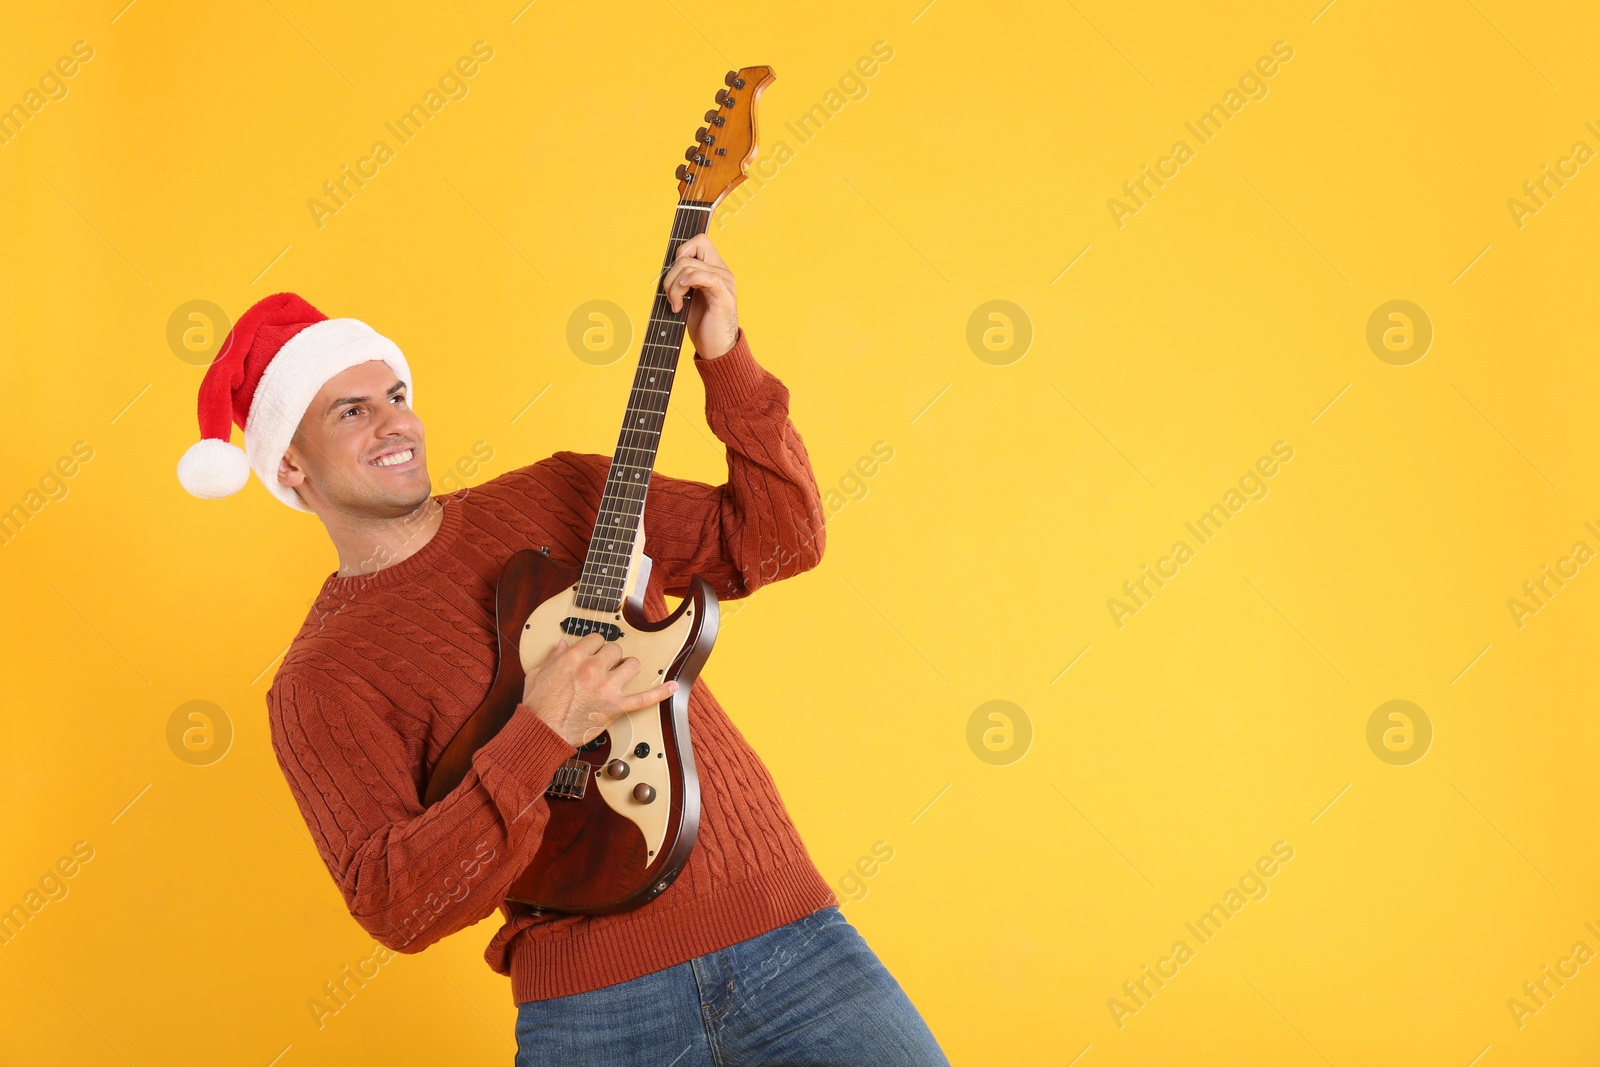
pixel 809 994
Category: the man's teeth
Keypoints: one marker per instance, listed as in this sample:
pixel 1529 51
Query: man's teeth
pixel 394 458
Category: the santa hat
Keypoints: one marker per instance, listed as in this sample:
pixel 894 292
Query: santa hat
pixel 270 367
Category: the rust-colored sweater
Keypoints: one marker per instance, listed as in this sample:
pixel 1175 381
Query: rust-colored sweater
pixel 388 665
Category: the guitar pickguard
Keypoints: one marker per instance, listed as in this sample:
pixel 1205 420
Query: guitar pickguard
pixel 655 650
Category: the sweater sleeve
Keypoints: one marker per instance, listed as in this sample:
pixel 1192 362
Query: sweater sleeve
pixel 766 522
pixel 412 875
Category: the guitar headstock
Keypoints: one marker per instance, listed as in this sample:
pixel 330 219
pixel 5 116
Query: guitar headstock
pixel 727 142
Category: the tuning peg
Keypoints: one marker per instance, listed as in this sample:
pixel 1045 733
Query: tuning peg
pixel 732 80
pixel 723 98
pixel 684 174
pixel 704 136
pixel 714 118
pixel 693 155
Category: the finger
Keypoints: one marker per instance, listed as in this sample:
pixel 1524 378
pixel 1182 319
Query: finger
pixel 590 643
pixel 700 247
pixel 648 698
pixel 550 657
pixel 676 274
pixel 626 669
pixel 715 286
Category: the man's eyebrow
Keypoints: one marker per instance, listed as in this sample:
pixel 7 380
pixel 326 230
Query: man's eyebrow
pixel 343 400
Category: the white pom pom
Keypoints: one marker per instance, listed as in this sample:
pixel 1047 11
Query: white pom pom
pixel 212 469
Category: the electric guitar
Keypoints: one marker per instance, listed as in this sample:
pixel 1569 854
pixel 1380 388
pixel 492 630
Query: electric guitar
pixel 625 812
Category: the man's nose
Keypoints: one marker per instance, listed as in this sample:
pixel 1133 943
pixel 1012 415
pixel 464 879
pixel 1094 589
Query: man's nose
pixel 400 421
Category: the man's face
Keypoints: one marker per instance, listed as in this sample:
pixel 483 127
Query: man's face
pixel 359 448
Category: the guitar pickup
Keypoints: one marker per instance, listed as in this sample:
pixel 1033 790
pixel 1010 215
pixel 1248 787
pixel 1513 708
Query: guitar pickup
pixel 570 781
pixel 578 627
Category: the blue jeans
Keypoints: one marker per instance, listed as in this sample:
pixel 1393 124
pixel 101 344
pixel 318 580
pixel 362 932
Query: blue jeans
pixel 809 993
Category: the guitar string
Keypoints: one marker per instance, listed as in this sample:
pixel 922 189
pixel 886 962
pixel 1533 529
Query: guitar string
pixel 600 592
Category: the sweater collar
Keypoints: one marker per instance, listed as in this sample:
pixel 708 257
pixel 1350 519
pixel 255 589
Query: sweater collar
pixel 418 564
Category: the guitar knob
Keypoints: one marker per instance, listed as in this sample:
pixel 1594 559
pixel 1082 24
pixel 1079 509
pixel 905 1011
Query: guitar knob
pixel 723 98
pixel 703 135
pixel 684 174
pixel 644 792
pixel 617 769
pixel 692 154
pixel 732 80
pixel 715 119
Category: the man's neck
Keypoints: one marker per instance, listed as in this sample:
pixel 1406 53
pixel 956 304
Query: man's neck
pixel 367 544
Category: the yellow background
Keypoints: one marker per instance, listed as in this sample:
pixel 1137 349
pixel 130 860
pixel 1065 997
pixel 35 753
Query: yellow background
pixel 1229 313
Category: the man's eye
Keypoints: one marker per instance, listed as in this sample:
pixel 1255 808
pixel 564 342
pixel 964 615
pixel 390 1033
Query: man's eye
pixel 349 411
pixel 398 398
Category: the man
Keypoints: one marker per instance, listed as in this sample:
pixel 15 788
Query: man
pixel 746 958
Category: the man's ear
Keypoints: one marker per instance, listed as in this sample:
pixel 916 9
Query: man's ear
pixel 290 473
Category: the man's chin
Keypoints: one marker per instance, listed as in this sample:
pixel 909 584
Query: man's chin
pixel 408 501
pixel 386 502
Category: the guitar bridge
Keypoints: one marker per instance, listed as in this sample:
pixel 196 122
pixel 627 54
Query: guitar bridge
pixel 570 781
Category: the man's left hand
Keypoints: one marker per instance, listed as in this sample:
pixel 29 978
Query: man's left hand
pixel 714 312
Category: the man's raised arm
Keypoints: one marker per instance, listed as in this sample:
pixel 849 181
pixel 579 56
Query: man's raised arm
pixel 764 523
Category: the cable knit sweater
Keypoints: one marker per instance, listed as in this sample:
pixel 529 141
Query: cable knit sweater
pixel 388 665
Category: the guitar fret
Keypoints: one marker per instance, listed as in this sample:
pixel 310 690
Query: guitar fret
pixel 618 523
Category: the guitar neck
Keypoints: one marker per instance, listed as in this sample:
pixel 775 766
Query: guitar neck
pixel 602 586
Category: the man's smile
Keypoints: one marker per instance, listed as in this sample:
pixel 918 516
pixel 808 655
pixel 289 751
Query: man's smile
pixel 403 458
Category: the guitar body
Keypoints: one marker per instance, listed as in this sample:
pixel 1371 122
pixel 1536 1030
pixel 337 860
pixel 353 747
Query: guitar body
pixel 624 813
pixel 605 848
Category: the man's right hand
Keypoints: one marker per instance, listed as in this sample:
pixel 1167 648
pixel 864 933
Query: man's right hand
pixel 577 690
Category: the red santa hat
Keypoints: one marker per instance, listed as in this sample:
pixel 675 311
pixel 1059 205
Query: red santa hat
pixel 270 367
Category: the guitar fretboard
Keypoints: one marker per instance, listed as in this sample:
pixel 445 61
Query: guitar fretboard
pixel 602 586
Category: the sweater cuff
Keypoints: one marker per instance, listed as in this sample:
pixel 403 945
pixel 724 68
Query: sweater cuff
pixel 516 765
pixel 733 376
